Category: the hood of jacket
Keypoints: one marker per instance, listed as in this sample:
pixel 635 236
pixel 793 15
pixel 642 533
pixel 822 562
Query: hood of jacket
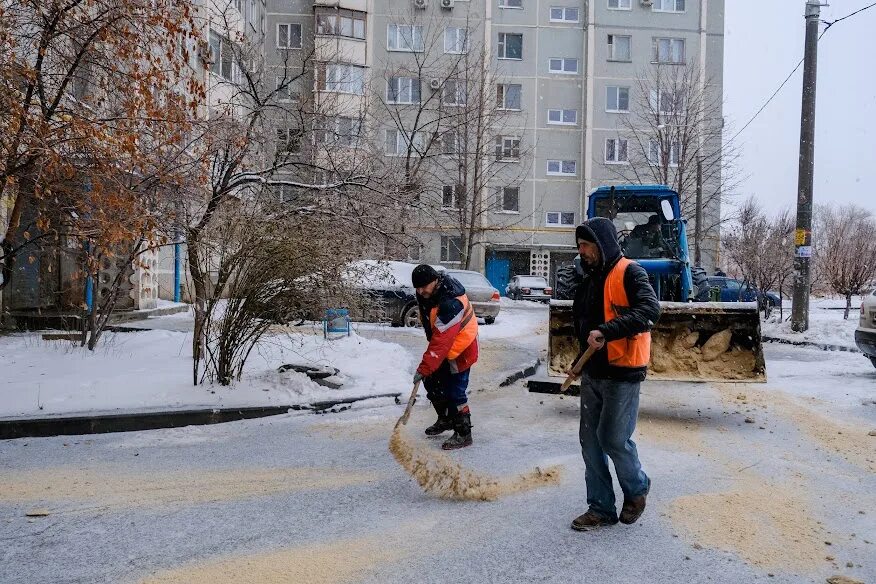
pixel 604 233
pixel 448 287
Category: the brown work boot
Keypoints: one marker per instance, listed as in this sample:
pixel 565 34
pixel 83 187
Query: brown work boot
pixel 591 520
pixel 634 507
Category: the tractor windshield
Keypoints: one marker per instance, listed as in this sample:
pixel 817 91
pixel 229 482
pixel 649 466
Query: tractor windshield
pixel 642 231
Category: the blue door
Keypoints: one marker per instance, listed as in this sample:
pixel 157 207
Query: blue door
pixel 498 273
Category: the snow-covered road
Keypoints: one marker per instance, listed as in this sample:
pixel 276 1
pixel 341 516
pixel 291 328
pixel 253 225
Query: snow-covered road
pixel 787 497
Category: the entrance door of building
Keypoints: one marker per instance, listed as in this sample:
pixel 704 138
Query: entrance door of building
pixel 499 273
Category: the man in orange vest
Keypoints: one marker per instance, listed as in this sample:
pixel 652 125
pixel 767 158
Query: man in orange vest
pixel 452 330
pixel 614 309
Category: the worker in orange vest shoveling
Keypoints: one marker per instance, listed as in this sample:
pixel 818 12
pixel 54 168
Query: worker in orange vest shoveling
pixel 614 309
pixel 452 330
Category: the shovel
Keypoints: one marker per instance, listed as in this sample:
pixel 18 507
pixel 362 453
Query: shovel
pixel 576 369
pixel 404 417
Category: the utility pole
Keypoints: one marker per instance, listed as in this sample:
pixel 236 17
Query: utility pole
pixel 803 233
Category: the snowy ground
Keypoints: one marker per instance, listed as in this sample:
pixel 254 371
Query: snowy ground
pixel 152 369
pixel 826 323
pixel 764 483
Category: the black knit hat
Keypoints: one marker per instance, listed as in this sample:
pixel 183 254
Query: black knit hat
pixel 422 275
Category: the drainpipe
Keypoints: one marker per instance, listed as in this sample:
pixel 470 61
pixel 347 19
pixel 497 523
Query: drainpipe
pixel 89 283
pixel 177 269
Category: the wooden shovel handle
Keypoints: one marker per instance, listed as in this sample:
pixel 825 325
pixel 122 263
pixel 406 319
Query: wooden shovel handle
pixel 411 401
pixel 576 369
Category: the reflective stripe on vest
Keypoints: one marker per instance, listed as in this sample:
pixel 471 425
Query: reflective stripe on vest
pixel 468 327
pixel 634 351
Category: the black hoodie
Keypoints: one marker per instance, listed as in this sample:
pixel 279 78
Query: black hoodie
pixel 588 310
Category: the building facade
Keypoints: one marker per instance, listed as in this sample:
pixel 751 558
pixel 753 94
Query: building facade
pixel 566 77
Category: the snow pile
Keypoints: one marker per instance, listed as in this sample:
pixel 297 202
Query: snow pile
pixel 826 325
pixel 517 318
pixel 153 370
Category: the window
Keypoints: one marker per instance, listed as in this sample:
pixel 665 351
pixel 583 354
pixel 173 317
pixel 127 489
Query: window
pixel 346 23
pixel 414 251
pixel 454 92
pixel 668 51
pixel 450 143
pixel 396 143
pixel 403 90
pixel 617 99
pixel 221 57
pixel 507 148
pixel 455 40
pixel 509 199
pixel 450 249
pixel 510 3
pixel 510 46
pixel 666 102
pixel 285 193
pixel 565 65
pixel 339 131
pixel 288 36
pixel 288 140
pixel 619 47
pixel 452 196
pixel 559 218
pixel 616 151
pixel 668 6
pixel 340 78
pixel 619 5
pixel 284 90
pixel 404 37
pixel 508 96
pixel 566 117
pixel 561 167
pixel 657 153
pixel 561 14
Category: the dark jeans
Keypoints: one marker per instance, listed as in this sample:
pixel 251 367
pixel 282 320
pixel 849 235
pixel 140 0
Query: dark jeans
pixel 445 388
pixel 608 418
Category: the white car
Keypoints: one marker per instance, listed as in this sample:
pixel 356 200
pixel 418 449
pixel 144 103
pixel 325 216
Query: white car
pixel 865 336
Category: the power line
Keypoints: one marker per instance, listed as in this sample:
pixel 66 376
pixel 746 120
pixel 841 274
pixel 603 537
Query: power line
pixel 791 74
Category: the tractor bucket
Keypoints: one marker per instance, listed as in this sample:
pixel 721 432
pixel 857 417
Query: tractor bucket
pixel 703 341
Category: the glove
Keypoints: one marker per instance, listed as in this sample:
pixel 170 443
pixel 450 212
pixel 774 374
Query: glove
pixel 418 377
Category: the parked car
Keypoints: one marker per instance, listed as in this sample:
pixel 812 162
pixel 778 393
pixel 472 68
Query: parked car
pixel 483 297
pixel 736 291
pixel 865 335
pixel 529 288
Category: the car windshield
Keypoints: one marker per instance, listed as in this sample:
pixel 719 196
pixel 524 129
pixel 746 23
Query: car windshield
pixel 471 279
pixel 533 282
pixel 642 230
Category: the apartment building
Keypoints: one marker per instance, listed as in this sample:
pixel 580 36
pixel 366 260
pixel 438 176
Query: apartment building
pixel 565 75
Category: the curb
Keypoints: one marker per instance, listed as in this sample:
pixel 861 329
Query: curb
pixel 12 428
pixel 517 375
pixel 822 346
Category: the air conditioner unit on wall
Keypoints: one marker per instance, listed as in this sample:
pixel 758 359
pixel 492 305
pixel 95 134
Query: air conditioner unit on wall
pixel 646 2
pixel 421 4
pixel 434 84
pixel 447 4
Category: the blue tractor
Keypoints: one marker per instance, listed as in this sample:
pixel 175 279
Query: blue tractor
pixel 692 341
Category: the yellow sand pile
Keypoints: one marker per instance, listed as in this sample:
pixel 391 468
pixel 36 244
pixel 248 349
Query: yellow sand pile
pixel 439 475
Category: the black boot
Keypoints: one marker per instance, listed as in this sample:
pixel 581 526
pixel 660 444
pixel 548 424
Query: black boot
pixel 461 432
pixel 444 423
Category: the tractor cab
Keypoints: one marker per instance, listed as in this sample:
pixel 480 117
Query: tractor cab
pixel 650 231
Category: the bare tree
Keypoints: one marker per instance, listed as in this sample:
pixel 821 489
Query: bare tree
pixel 845 250
pixel 673 136
pixel 274 154
pixel 449 117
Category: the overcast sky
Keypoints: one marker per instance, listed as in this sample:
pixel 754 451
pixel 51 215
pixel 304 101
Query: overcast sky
pixel 763 43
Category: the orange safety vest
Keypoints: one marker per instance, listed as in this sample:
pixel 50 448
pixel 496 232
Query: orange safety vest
pixel 634 351
pixel 468 331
